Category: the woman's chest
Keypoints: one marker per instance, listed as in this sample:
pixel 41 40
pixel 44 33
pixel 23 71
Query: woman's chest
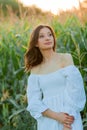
pixel 52 81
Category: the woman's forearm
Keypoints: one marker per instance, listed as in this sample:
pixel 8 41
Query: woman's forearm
pixel 51 114
pixel 61 117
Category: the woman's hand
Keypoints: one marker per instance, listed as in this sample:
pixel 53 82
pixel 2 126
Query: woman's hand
pixel 65 128
pixel 65 119
pixel 61 117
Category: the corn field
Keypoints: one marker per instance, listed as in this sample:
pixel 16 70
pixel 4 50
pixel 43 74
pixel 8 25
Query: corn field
pixel 71 37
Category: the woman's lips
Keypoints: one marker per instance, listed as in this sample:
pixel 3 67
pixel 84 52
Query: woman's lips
pixel 48 43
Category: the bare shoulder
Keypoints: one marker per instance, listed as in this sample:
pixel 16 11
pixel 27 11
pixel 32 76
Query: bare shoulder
pixel 67 58
pixel 35 69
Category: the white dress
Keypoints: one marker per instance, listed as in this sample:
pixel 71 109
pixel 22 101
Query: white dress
pixel 60 91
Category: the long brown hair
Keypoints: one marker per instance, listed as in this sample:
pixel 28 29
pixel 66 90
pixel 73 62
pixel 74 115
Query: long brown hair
pixel 33 55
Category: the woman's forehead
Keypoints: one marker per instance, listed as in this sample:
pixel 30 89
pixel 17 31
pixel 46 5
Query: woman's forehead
pixel 44 30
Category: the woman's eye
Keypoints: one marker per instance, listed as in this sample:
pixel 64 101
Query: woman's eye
pixel 50 34
pixel 41 36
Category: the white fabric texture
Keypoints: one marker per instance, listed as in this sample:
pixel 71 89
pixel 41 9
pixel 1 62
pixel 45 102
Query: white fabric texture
pixel 60 91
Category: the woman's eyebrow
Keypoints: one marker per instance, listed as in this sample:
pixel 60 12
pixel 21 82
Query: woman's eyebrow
pixel 47 32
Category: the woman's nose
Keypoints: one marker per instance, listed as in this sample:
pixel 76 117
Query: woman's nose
pixel 47 37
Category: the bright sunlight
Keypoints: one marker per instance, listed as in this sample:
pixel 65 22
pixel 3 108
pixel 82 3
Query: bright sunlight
pixel 53 5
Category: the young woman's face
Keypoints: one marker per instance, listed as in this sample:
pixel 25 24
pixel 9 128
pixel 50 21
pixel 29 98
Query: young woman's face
pixel 45 39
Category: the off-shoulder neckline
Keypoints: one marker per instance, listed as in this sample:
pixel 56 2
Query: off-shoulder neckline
pixel 58 70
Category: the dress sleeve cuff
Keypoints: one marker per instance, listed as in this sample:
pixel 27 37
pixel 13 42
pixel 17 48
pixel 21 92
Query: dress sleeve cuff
pixel 37 113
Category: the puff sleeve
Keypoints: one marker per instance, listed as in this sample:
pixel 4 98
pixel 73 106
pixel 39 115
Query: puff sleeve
pixel 75 98
pixel 34 97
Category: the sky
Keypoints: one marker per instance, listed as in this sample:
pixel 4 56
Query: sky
pixel 53 5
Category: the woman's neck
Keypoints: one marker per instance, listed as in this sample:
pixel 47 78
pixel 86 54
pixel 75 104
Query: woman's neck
pixel 48 55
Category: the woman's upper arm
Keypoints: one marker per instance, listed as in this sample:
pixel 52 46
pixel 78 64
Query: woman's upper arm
pixel 34 97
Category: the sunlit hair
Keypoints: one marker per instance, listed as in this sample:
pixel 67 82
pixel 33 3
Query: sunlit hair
pixel 33 56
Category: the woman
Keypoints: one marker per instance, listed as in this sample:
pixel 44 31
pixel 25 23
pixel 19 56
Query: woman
pixel 55 87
